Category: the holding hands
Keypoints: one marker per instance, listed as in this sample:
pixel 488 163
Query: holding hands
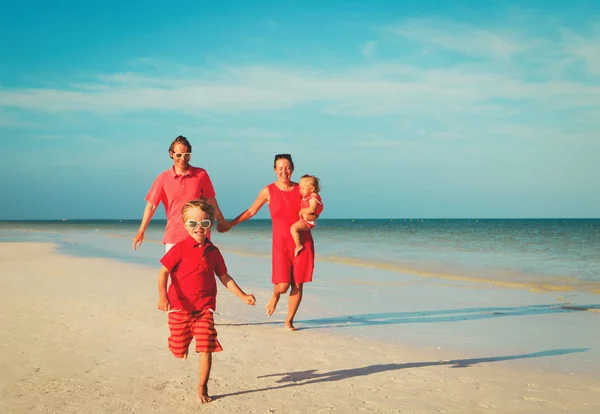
pixel 223 226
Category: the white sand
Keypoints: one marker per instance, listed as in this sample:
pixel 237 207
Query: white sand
pixel 83 335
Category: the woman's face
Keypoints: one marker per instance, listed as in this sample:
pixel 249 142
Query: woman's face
pixel 283 170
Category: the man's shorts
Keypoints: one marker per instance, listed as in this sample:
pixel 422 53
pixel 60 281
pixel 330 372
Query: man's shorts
pixel 197 325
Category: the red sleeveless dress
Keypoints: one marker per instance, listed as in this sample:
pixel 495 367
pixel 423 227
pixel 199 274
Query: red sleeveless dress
pixel 284 207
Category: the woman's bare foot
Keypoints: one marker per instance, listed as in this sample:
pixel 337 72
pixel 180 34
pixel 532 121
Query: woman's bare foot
pixel 203 394
pixel 290 326
pixel 272 305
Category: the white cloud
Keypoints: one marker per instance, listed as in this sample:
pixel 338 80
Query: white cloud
pixel 463 38
pixel 503 83
pixel 368 49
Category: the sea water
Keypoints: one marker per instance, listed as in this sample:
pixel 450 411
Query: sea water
pixel 507 288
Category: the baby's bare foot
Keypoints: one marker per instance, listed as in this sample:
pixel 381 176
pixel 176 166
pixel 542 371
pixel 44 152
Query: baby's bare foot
pixel 203 394
pixel 298 250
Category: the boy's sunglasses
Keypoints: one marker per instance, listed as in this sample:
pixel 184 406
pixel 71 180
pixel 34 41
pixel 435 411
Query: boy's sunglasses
pixel 183 154
pixel 205 224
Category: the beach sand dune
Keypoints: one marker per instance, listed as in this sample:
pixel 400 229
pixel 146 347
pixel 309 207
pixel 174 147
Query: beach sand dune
pixel 82 335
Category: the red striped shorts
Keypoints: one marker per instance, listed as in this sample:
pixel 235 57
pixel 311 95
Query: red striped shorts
pixel 187 325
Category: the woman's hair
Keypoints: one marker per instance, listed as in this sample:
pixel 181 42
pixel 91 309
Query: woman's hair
pixel 202 204
pixel 180 140
pixel 316 183
pixel 283 157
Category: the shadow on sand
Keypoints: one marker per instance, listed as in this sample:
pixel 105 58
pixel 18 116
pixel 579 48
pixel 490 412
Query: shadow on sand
pixel 437 316
pixel 301 378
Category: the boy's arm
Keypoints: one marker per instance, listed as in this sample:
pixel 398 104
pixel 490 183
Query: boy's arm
pixel 230 284
pixel 163 301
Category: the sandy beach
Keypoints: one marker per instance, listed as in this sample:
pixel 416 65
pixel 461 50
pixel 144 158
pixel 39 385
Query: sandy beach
pixel 83 335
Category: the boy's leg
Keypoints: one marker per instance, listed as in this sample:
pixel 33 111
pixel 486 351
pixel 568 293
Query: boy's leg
pixel 205 363
pixel 180 333
pixel 203 326
pixel 295 230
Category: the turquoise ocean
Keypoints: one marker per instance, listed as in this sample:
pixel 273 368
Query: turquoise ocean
pixel 512 289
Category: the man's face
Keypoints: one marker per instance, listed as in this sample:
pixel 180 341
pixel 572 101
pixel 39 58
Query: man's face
pixel 181 156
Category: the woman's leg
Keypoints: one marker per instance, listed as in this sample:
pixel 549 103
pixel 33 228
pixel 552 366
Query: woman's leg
pixel 278 290
pixel 293 305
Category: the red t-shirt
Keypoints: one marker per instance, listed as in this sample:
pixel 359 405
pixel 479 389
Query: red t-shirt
pixel 193 268
pixel 174 190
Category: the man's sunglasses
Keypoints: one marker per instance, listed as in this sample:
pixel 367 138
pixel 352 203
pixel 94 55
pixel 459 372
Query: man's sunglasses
pixel 205 224
pixel 183 154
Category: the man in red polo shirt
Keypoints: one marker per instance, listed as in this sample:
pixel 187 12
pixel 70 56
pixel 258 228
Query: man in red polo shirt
pixel 173 188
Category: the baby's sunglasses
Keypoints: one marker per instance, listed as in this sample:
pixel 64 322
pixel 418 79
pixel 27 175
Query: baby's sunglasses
pixel 205 224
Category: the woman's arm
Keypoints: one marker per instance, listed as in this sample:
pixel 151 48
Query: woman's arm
pixel 263 197
pixel 308 213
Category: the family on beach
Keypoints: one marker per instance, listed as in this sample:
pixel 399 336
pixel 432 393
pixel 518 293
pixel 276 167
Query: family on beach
pixel 192 261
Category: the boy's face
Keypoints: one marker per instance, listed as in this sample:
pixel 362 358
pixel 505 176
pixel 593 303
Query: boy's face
pixel 306 187
pixel 198 232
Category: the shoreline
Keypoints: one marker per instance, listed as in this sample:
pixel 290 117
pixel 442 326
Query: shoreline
pixel 425 269
pixel 83 335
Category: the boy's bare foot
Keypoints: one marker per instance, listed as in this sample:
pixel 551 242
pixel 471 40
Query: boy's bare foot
pixel 185 355
pixel 203 394
pixel 298 250
pixel 290 326
pixel 272 305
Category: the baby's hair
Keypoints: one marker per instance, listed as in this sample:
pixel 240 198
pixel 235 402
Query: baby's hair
pixel 202 204
pixel 180 140
pixel 314 180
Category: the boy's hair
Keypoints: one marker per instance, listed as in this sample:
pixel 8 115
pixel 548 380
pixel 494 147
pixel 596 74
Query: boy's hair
pixel 314 180
pixel 180 140
pixel 283 157
pixel 200 203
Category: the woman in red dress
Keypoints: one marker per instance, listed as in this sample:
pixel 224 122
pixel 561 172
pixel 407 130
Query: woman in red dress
pixel 283 197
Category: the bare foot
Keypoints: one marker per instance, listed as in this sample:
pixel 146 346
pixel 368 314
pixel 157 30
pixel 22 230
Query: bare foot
pixel 298 250
pixel 272 305
pixel 185 355
pixel 203 394
pixel 290 326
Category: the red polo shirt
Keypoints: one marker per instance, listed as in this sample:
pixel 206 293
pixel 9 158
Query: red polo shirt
pixel 174 190
pixel 193 268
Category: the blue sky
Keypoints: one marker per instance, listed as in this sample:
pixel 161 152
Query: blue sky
pixel 404 109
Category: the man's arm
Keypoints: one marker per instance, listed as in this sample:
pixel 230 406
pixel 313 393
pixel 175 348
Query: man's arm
pixel 213 202
pixel 139 237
